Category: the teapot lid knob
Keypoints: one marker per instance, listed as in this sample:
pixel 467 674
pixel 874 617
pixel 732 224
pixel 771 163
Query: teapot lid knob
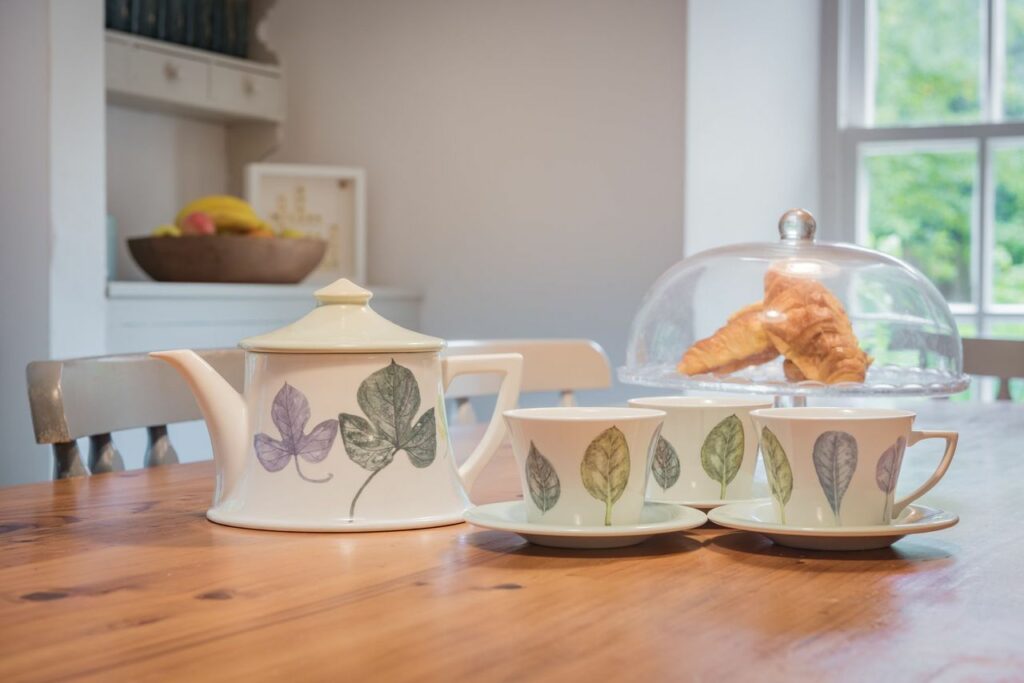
pixel 797 224
pixel 342 291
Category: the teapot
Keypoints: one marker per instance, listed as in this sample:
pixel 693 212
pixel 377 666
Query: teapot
pixel 341 425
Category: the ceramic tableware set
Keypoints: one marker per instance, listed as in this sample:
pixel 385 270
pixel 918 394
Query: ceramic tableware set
pixel 341 427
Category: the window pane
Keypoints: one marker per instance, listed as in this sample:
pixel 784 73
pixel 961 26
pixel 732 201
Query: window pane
pixel 1005 329
pixel 928 65
pixel 1008 254
pixel 919 209
pixel 1013 92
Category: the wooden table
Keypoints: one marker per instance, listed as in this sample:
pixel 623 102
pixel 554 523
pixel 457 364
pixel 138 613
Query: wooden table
pixel 120 577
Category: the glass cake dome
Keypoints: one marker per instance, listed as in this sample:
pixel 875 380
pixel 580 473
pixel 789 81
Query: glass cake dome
pixel 795 317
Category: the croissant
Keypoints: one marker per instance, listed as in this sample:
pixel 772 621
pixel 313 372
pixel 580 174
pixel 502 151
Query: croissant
pixel 740 342
pixel 808 325
pixel 792 372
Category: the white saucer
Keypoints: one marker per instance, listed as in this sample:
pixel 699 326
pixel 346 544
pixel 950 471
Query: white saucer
pixel 759 489
pixel 655 519
pixel 759 516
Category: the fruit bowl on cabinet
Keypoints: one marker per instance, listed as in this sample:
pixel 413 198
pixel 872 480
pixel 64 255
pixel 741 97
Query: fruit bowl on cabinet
pixel 227 258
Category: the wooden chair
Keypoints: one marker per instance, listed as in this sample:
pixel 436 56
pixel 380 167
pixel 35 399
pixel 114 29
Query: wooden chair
pixel 1001 358
pixel 93 397
pixel 562 365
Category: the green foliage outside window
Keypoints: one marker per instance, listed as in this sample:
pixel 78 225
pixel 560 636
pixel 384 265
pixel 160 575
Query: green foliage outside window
pixel 920 211
pixel 929 62
pixel 1008 252
pixel 1013 93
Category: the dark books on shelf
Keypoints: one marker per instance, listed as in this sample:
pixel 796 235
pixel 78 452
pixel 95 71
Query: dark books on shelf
pixel 174 18
pixel 216 25
pixel 119 15
pixel 144 17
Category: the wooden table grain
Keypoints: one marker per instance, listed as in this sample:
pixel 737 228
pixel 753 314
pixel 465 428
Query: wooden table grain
pixel 120 577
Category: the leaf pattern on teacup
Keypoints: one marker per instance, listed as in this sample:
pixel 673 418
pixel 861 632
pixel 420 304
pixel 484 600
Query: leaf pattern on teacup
pixel 887 471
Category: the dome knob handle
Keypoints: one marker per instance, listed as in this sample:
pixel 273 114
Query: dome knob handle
pixel 797 224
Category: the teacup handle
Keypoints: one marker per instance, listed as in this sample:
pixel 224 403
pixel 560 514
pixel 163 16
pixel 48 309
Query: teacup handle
pixel 947 457
pixel 510 366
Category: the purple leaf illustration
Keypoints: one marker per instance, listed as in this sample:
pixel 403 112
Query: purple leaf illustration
pixel 290 413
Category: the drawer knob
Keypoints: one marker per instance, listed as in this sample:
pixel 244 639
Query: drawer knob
pixel 170 71
pixel 248 87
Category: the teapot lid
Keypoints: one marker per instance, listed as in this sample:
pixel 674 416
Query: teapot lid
pixel 342 322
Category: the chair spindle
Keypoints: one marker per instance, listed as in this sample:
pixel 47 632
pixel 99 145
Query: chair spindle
pixel 464 414
pixel 67 461
pixel 103 455
pixel 159 451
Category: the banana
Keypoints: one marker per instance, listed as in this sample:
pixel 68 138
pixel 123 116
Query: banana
pixel 230 214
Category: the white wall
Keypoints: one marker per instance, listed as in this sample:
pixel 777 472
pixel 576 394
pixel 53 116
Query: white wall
pixel 51 205
pixel 24 222
pixel 168 160
pixel 78 267
pixel 525 159
pixel 752 117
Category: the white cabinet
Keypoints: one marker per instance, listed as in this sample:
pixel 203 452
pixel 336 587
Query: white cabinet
pixel 243 89
pixel 162 76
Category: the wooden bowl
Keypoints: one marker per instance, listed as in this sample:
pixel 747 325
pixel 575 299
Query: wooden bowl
pixel 227 258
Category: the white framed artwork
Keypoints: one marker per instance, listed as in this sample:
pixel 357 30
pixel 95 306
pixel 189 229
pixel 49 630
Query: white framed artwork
pixel 324 201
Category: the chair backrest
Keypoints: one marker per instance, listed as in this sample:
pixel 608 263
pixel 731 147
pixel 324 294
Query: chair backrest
pixel 562 365
pixel 92 397
pixel 1002 358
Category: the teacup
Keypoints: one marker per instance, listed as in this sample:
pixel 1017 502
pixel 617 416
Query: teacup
pixel 838 467
pixel 707 450
pixel 583 466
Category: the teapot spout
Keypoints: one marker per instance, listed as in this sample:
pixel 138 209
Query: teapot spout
pixel 225 413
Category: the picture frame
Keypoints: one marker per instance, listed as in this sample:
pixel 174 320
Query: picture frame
pixel 323 201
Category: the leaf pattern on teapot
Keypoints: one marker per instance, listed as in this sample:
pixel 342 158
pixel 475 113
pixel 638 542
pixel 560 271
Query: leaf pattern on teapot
pixel 390 399
pixel 290 413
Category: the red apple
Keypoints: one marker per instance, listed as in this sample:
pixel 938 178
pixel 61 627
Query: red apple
pixel 198 223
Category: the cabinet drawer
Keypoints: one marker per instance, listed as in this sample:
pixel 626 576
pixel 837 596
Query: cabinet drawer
pixel 116 65
pixel 247 92
pixel 168 77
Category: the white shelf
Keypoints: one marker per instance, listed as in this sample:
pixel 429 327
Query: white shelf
pixel 146 316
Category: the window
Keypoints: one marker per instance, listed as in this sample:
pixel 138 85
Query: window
pixel 927 153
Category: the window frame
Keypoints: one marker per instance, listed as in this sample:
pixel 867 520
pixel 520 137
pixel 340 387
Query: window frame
pixel 847 91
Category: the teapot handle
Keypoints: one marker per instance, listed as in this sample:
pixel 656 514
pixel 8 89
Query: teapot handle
pixel 510 366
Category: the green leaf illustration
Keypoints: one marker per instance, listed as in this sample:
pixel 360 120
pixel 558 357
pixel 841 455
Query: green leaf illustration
pixel 835 459
pixel 364 445
pixel 390 399
pixel 605 469
pixel 722 452
pixel 542 480
pixel 665 466
pixel 776 465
